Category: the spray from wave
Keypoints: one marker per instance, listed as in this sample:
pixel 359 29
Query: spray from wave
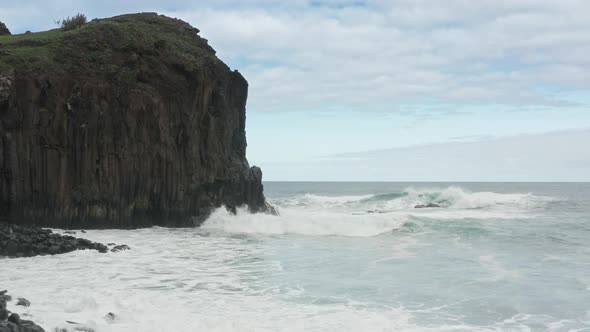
pixel 372 215
pixel 301 222
pixel 451 197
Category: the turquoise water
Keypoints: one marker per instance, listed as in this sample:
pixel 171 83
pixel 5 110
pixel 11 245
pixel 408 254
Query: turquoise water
pixel 495 256
pixel 341 257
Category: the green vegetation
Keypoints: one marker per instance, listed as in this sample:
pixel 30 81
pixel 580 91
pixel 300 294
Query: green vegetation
pixel 71 23
pixel 123 48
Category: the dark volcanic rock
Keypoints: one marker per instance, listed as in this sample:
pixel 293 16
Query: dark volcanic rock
pixel 32 241
pixel 13 322
pixel 14 318
pixel 24 302
pixel 3 29
pixel 120 248
pixel 130 122
pixel 3 314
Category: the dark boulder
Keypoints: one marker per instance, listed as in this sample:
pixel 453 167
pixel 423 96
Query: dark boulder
pixel 8 327
pixel 4 298
pixel 29 326
pixel 110 317
pixel 14 318
pixel 11 247
pixel 11 322
pixel 4 29
pixel 120 248
pixel 4 314
pixel 24 302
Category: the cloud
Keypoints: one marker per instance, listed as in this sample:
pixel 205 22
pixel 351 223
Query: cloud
pixel 405 52
pixel 376 55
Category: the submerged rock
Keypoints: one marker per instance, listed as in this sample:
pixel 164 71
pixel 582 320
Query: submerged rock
pixel 429 205
pixel 146 128
pixel 120 248
pixel 110 317
pixel 24 302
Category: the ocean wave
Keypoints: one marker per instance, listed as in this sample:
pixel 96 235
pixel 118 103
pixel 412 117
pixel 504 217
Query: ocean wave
pixel 451 197
pixel 301 222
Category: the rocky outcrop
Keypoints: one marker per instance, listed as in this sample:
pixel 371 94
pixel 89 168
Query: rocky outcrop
pixel 11 322
pixel 27 241
pixel 3 29
pixel 129 122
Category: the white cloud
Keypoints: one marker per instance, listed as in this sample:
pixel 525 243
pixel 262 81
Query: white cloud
pixel 396 52
pixel 376 54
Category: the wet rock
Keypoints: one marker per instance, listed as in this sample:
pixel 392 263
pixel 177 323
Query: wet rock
pixel 29 326
pixel 12 322
pixel 11 248
pixel 120 248
pixel 5 298
pixel 429 205
pixel 26 241
pixel 4 314
pixel 8 327
pixel 14 318
pixel 70 232
pixel 4 30
pixel 110 317
pixel 24 302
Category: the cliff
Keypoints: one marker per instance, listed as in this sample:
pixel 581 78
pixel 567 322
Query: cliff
pixel 125 122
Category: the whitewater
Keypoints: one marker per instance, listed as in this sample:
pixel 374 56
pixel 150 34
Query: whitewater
pixel 340 257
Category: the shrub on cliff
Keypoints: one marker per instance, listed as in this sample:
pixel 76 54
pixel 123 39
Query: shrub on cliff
pixel 71 23
pixel 4 30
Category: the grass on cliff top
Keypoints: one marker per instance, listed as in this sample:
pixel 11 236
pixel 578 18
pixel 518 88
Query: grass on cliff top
pixel 110 48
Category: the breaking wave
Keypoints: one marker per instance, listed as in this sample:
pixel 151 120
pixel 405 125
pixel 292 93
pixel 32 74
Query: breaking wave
pixel 300 222
pixel 372 215
pixel 451 197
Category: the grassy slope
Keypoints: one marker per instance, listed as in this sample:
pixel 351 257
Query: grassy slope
pixel 107 48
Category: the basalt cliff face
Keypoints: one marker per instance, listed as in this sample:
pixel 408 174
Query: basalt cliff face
pixel 125 122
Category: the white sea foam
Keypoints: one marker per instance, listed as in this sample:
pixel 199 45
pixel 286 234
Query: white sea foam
pixel 175 280
pixel 304 222
pixel 371 215
pixel 327 263
pixel 450 197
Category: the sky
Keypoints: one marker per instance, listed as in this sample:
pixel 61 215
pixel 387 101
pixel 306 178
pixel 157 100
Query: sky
pixel 398 90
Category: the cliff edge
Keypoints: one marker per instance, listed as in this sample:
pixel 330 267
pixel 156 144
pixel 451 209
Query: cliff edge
pixel 125 122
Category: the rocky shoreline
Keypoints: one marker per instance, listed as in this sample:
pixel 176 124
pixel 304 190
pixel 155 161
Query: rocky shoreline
pixel 11 322
pixel 17 241
pixel 28 241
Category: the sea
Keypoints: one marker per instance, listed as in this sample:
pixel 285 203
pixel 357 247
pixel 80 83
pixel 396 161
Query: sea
pixel 342 256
